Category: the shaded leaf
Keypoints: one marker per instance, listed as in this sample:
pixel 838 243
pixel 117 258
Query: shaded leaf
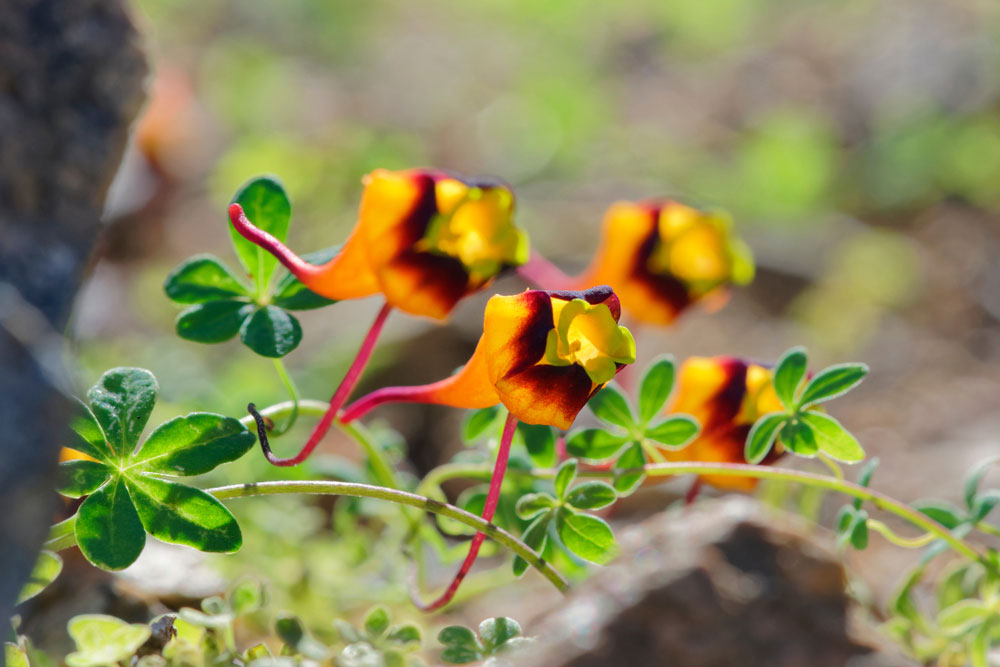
pixel 461 645
pixel 121 401
pixel 79 477
pixel 495 632
pixel 535 536
pixel 47 568
pixel 674 432
pixel 611 405
pixel 203 278
pixel 540 441
pixel 633 457
pixel 292 293
pixel 267 206
pixel 594 444
pixel 212 322
pixel 531 505
pixel 271 332
pixel 181 514
pixel 586 536
pixel 832 382
pixel 762 435
pixel 108 530
pixel 88 438
pixel 832 438
pixel 592 496
pixel 788 375
pixel 655 387
pixel 943 512
pixel 984 504
pixel 405 635
pixel 192 445
pixel 478 421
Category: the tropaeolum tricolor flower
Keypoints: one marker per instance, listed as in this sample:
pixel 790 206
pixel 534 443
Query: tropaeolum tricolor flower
pixel 424 240
pixel 542 355
pixel 726 395
pixel 660 257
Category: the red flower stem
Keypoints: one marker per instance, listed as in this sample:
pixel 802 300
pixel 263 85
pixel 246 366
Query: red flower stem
pixel 298 266
pixel 693 492
pixel 543 274
pixel 424 393
pixel 492 497
pixel 336 401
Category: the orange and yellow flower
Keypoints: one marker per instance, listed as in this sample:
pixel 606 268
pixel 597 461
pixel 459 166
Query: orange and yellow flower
pixel 542 354
pixel 726 395
pixel 661 256
pixel 424 239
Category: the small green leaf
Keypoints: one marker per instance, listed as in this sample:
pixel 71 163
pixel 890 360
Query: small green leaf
pixel 865 477
pixel 203 278
pixel 267 206
pixel 405 635
pixel 633 457
pixel 611 405
pixel 376 621
pixel 108 530
pixel 564 477
pixel 586 536
pixel 104 640
pixel 592 496
pixel 213 322
pixel 289 628
pixel 532 504
pixel 535 536
pixel 192 445
pixel 292 294
pixel 461 645
pixel 79 477
pixel 971 486
pixel 901 603
pixel 185 515
pixel 271 332
pixel 121 401
pixel 88 437
pixel 762 435
pixel 962 617
pixel 495 632
pixel 460 655
pixel 985 502
pixel 859 531
pixel 832 382
pixel 943 512
pixel 247 597
pixel 832 438
pixel 540 441
pixel 47 568
pixel 478 421
pixel 655 387
pixel 674 432
pixel 594 444
pixel 799 438
pixel 788 375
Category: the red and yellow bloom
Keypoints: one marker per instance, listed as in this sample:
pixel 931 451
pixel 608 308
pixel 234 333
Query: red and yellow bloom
pixel 661 256
pixel 424 239
pixel 542 354
pixel 726 395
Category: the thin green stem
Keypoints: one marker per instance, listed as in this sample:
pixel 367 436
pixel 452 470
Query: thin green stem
pixel 402 498
pixel 989 529
pixel 832 465
pixel 293 391
pixel 900 541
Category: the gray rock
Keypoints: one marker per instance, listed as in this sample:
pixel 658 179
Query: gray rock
pixel 72 76
pixel 721 584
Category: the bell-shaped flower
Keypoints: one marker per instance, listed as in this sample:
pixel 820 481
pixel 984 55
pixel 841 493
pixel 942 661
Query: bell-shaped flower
pixel 660 257
pixel 542 354
pixel 424 239
pixel 726 395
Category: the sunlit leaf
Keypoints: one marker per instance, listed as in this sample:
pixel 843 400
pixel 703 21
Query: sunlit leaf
pixel 655 387
pixel 832 382
pixel 586 536
pixel 611 405
pixel 788 375
pixel 203 278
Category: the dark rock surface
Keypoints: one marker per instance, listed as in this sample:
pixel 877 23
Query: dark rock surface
pixel 72 77
pixel 722 584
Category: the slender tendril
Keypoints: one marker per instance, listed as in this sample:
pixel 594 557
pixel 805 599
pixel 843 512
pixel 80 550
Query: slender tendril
pixel 336 401
pixel 832 465
pixel 293 391
pixel 900 541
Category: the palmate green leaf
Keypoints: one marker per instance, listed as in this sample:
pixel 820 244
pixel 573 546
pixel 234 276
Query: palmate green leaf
pixel 192 445
pixel 832 438
pixel 633 457
pixel 611 405
pixel 586 536
pixel 461 645
pixel 531 505
pixel 88 437
pixel 121 401
pixel 832 382
pixel 495 632
pixel 564 477
pixel 271 332
pixel 591 496
pixel 108 530
pixel 291 293
pixel 655 387
pixel 674 432
pixel 267 206
pixel 47 568
pixel 594 444
pixel 762 435
pixel 181 514
pixel 540 441
pixel 213 322
pixel 535 536
pixel 79 477
pixel 104 640
pixel 788 375
pixel 203 278
pixel 478 421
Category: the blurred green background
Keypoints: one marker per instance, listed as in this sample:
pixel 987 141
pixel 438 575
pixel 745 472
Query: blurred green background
pixel 855 142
